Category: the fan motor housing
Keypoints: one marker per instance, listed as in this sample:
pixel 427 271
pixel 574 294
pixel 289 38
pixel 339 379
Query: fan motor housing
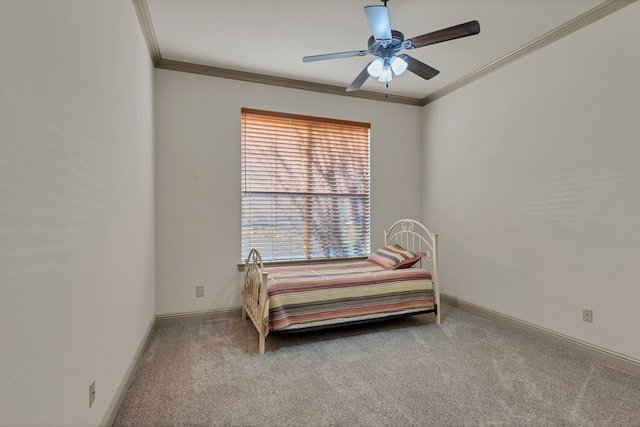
pixel 396 40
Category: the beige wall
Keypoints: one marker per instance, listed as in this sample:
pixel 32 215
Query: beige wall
pixel 532 181
pixel 76 206
pixel 198 177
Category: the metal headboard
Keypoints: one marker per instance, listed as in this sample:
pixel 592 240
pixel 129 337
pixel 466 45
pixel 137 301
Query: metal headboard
pixel 412 236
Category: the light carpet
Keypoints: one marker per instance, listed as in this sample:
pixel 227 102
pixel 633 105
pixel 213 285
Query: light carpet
pixel 469 371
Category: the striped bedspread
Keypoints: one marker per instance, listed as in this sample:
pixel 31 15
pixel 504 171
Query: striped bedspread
pixel 330 293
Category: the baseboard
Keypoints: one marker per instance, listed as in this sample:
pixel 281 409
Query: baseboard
pixel 197 316
pixel 111 414
pixel 608 357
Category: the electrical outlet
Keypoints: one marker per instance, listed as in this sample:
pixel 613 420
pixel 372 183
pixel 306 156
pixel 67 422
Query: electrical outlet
pixel 199 291
pixel 92 392
pixel 587 315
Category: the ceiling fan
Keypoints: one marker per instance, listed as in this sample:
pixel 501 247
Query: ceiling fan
pixel 385 43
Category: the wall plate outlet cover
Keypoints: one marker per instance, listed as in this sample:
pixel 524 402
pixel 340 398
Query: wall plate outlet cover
pixel 199 291
pixel 587 315
pixel 92 392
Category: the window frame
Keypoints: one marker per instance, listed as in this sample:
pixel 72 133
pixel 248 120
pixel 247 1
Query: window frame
pixel 363 198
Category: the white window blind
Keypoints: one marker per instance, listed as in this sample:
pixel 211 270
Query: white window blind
pixel 305 186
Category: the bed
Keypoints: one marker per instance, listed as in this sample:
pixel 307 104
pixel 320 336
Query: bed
pixel 398 279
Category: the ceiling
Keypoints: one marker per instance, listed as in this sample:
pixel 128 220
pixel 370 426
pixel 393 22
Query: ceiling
pixel 269 38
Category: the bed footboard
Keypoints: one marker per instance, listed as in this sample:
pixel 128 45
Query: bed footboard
pixel 254 295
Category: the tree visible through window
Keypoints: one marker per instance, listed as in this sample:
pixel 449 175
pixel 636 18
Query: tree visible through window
pixel 305 186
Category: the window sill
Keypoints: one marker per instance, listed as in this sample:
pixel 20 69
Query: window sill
pixel 307 261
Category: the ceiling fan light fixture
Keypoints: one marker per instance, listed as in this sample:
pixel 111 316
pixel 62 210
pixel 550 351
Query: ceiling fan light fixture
pixel 398 65
pixel 385 43
pixel 375 68
pixel 385 75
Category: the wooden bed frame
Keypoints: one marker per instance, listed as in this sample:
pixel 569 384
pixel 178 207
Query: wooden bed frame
pixel 408 233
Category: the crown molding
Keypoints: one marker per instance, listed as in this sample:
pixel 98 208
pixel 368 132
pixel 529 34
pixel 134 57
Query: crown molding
pixel 598 12
pixel 187 67
pixel 144 17
pixel 581 21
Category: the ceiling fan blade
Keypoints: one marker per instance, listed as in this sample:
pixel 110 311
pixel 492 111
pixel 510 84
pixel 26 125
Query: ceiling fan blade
pixel 314 58
pixel 378 17
pixel 457 31
pixel 419 68
pixel 359 81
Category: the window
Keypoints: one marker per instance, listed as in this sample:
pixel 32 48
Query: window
pixel 305 186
